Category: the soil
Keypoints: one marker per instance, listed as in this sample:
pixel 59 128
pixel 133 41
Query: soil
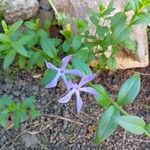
pixel 60 127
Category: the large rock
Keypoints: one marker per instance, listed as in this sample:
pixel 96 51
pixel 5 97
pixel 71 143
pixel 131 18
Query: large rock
pixel 14 10
pixel 81 9
pixel 44 4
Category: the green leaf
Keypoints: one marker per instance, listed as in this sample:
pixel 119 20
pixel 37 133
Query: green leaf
pixel 111 63
pixel 129 44
pixel 14 27
pixel 118 18
pixel 29 102
pixel 4 25
pixel 80 24
pixel 20 49
pixel 9 58
pixel 22 62
pixel 3 118
pixel 102 61
pixel 34 58
pixel 83 54
pixel 94 19
pixel 5 101
pixel 30 25
pixel 48 46
pixel 127 6
pixel 107 124
pixel 121 33
pixel 79 64
pixel 25 39
pixel 67 45
pixel 148 128
pixel 102 31
pixel 4 38
pixel 34 113
pixel 115 50
pixel 132 124
pixel 103 98
pixel 34 41
pixel 129 90
pixel 19 116
pixel 144 18
pixel 4 47
pixel 109 10
pixel 76 42
pixel 101 8
pixel 42 33
pixel 48 76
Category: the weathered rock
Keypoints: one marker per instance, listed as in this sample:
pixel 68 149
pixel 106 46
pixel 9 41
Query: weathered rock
pixel 44 4
pixel 18 9
pixel 81 9
pixel 45 15
pixel 30 140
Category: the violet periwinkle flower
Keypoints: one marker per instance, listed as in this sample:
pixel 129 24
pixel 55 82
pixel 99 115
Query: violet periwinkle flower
pixel 62 72
pixel 76 89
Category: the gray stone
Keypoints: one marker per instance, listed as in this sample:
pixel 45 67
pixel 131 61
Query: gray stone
pixel 18 9
pixel 30 140
pixel 45 15
pixel 81 9
pixel 44 4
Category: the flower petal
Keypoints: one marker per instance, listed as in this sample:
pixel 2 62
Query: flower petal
pixel 65 61
pixel 74 72
pixel 51 66
pixel 79 102
pixel 66 98
pixel 89 90
pixel 65 81
pixel 86 79
pixel 53 83
pixel 71 85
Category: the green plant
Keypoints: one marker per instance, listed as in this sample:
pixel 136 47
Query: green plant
pixel 112 33
pixel 115 115
pixel 31 45
pixel 17 112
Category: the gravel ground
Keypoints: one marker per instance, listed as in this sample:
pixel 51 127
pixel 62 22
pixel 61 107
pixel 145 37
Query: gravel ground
pixel 60 128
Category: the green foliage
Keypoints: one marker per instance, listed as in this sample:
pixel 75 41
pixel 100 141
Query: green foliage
pixel 107 125
pixel 132 124
pixel 103 98
pixel 28 44
pixel 129 90
pixel 114 114
pixel 79 64
pixel 117 35
pixel 33 44
pixel 16 111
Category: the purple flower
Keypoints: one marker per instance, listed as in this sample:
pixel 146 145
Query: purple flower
pixel 61 72
pixel 76 89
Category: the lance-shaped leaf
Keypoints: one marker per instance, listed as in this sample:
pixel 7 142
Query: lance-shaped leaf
pixel 102 99
pixel 9 58
pixel 107 124
pixel 132 124
pixel 129 90
pixel 83 67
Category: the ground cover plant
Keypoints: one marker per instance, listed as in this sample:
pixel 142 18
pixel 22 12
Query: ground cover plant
pixel 29 44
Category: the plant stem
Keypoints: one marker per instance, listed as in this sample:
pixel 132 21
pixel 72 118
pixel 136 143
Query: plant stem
pixel 54 8
pixel 119 108
pixel 114 104
pixel 147 133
